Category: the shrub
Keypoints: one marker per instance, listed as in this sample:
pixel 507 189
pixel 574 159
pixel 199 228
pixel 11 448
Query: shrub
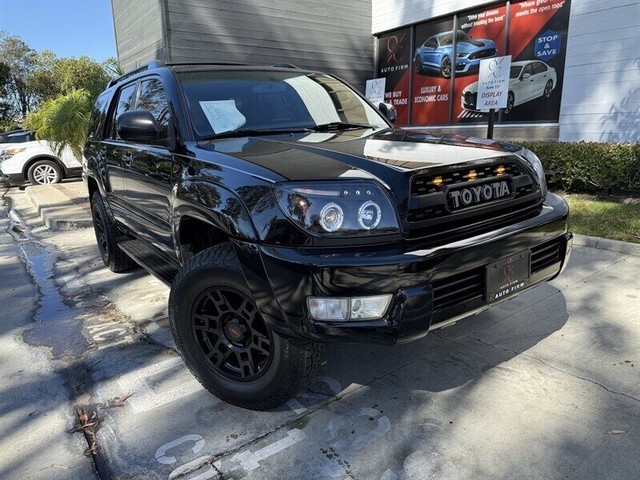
pixel 590 166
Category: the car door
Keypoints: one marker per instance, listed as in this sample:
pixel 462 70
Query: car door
pixel 430 55
pixel 116 150
pixel 541 76
pixel 151 172
pixel 526 84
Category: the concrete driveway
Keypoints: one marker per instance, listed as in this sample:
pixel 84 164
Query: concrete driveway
pixel 545 385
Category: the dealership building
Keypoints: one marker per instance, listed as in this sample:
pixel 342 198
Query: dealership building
pixel 575 64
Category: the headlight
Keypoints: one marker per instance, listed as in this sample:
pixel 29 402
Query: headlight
pixel 333 209
pixel 536 164
pixel 463 54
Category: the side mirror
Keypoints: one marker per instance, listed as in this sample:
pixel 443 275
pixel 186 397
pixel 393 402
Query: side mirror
pixel 137 126
pixel 388 111
pixel 525 76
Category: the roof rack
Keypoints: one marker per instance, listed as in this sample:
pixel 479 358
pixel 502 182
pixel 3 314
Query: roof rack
pixel 131 73
pixel 178 64
pixel 285 65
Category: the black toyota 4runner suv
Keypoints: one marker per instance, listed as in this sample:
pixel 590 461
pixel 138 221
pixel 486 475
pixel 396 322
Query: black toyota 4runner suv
pixel 285 211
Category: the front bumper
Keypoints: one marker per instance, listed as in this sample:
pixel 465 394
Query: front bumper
pixel 282 278
pixel 464 65
pixel 12 178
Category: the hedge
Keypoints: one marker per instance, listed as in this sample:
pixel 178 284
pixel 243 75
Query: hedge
pixel 590 166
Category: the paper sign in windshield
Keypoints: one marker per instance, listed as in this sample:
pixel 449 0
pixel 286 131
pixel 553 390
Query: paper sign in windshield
pixel 223 115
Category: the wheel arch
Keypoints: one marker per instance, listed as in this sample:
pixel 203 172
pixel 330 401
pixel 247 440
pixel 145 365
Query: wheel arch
pixel 29 163
pixel 206 214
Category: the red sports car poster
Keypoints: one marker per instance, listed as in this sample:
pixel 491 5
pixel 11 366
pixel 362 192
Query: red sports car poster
pixel 394 60
pixel 481 34
pixel 432 70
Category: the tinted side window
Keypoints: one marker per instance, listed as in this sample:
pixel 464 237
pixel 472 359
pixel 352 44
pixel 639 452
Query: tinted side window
pixel 98 116
pixel 539 67
pixel 20 138
pixel 126 101
pixel 153 98
pixel 528 69
pixel 431 43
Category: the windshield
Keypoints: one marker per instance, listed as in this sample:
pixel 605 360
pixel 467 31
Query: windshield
pixel 461 36
pixel 515 71
pixel 228 101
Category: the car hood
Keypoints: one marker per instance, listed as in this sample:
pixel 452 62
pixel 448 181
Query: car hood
pixel 474 45
pixel 357 153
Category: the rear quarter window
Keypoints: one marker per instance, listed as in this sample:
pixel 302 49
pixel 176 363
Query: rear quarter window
pixel 98 117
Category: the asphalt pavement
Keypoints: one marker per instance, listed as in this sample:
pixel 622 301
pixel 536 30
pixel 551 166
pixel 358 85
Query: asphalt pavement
pixel 544 386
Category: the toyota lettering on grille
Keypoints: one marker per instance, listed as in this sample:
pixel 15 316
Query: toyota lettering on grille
pixel 478 194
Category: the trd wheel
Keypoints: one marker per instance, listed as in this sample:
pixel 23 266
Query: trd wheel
pixel 224 340
pixel 548 88
pixel 445 67
pixel 511 99
pixel 106 234
pixel 44 172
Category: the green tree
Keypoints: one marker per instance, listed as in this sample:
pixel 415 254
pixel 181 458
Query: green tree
pixel 21 61
pixel 63 120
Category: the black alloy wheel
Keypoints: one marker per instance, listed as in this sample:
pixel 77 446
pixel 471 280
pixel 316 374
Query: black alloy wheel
pixel 445 67
pixel 548 88
pixel 107 234
pixel 224 340
pixel 101 234
pixel 231 334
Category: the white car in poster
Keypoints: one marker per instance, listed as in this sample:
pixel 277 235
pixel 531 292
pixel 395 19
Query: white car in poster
pixel 528 80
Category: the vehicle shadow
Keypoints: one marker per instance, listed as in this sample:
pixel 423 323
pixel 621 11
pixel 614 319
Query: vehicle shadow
pixel 455 355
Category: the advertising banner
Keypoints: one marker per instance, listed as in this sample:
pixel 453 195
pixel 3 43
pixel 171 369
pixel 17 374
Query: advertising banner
pixel 537 43
pixel 394 60
pixel 533 32
pixel 481 35
pixel 432 69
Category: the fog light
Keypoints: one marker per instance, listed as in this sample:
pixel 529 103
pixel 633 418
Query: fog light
pixel 328 308
pixel 369 308
pixel 355 308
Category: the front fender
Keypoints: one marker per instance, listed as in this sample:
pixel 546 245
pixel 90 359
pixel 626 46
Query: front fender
pixel 214 204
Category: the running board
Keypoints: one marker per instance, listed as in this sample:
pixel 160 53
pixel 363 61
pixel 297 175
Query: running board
pixel 150 259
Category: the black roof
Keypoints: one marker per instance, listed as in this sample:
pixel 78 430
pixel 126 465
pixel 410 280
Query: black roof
pixel 183 66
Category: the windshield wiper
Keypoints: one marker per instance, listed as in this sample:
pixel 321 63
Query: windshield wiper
pixel 251 132
pixel 335 126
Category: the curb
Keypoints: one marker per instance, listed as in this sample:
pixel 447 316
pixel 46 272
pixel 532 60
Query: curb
pixel 606 244
pixel 56 218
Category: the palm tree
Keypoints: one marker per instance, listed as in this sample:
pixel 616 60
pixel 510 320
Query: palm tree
pixel 63 121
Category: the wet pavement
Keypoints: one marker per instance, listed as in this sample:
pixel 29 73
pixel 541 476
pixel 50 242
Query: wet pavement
pixel 545 385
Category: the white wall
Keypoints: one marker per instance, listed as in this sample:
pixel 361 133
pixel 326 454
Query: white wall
pixel 601 92
pixel 389 14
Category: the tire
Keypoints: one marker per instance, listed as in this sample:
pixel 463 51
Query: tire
pixel 511 99
pixel 224 341
pixel 44 172
pixel 106 235
pixel 445 67
pixel 548 89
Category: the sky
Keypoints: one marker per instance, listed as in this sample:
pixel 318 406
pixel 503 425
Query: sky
pixel 69 28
